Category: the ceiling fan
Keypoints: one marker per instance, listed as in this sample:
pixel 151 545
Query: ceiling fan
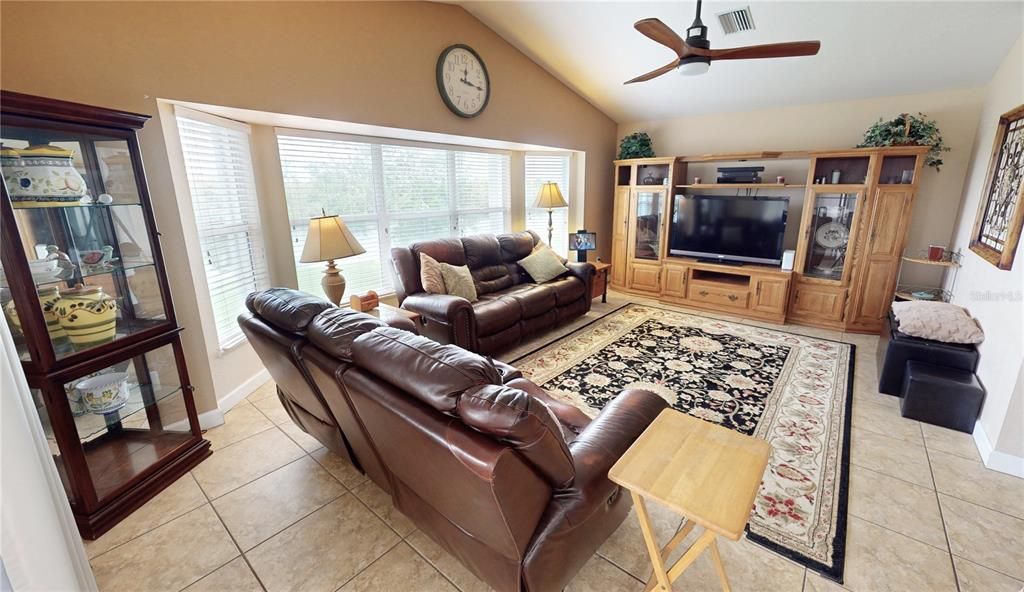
pixel 694 55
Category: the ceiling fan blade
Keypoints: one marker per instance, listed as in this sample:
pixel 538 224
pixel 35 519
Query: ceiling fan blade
pixel 655 73
pixel 771 50
pixel 663 34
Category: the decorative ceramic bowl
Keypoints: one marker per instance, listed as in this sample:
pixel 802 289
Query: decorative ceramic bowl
pixel 104 393
pixel 42 176
pixel 88 316
pixel 48 298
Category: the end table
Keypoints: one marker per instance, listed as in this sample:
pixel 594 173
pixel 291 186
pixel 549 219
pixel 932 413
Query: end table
pixel 600 285
pixel 707 473
pixel 398 318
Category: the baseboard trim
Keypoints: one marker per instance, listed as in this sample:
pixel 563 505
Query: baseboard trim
pixel 994 459
pixel 215 417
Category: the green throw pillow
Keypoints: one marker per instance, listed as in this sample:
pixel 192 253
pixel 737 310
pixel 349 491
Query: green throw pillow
pixel 458 281
pixel 543 265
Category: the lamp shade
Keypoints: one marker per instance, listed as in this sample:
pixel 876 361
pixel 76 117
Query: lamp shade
pixel 550 197
pixel 328 238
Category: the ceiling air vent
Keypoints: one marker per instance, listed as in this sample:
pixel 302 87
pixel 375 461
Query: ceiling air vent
pixel 736 21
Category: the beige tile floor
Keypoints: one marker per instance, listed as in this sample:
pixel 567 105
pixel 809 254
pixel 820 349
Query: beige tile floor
pixel 273 510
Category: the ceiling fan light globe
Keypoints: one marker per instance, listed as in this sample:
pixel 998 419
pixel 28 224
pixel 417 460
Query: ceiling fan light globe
pixel 694 68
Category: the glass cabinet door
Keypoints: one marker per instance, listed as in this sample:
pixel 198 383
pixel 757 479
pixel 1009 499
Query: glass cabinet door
pixel 126 417
pixel 648 208
pixel 81 223
pixel 831 226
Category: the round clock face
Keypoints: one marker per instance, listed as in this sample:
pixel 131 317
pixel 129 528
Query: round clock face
pixel 462 81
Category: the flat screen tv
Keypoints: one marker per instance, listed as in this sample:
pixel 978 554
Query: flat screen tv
pixel 729 228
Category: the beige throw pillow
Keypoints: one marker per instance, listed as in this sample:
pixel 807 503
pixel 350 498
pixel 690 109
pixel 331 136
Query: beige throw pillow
pixel 543 265
pixel 939 321
pixel 458 281
pixel 430 275
pixel 543 245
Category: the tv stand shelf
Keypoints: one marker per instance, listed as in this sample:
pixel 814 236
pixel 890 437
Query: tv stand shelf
pixel 749 290
pixel 742 186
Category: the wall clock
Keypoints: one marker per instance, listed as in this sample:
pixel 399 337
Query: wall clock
pixel 462 80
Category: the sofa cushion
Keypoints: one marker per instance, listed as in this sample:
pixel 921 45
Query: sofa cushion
pixel 481 250
pixel 491 278
pixel 495 314
pixel 430 275
pixel 543 265
pixel 534 299
pixel 938 321
pixel 518 419
pixel 458 281
pixel 334 330
pixel 445 250
pixel 567 289
pixel 435 374
pixel 286 309
pixel 515 245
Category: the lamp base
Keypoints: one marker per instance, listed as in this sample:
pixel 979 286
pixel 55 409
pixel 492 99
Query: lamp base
pixel 333 283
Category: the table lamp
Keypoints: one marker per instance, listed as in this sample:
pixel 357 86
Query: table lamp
pixel 550 197
pixel 329 239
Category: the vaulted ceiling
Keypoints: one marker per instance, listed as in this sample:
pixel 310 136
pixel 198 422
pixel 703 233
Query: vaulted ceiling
pixel 868 49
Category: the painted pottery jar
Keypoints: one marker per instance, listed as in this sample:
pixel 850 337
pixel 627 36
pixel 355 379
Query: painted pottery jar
pixel 48 299
pixel 104 393
pixel 88 316
pixel 42 176
pixel 75 401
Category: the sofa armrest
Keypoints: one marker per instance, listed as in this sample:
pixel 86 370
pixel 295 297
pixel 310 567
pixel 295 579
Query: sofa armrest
pixel 440 307
pixel 446 318
pixel 584 271
pixel 612 432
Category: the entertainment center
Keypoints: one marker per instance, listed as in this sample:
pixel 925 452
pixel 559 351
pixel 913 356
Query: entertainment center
pixel 693 245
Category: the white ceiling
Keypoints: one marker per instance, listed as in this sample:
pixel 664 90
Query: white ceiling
pixel 868 49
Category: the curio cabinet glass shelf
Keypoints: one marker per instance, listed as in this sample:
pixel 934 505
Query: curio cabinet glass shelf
pixel 85 294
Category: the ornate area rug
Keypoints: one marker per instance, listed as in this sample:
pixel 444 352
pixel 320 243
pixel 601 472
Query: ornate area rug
pixel 791 390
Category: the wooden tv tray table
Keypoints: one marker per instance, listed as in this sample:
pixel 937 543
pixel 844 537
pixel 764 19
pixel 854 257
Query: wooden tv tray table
pixel 707 473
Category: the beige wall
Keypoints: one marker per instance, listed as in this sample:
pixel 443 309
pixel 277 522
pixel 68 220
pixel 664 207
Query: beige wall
pixel 360 62
pixel 994 296
pixel 835 125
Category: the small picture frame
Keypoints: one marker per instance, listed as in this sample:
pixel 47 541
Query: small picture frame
pixel 583 241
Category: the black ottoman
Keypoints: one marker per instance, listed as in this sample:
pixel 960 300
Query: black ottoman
pixel 941 396
pixel 895 349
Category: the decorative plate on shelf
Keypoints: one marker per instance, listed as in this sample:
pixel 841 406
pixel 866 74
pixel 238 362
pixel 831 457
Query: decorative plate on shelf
pixel 831 235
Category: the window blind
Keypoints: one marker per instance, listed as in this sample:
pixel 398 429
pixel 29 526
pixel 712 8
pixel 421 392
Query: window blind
pixel 540 169
pixel 218 164
pixel 338 177
pixel 389 195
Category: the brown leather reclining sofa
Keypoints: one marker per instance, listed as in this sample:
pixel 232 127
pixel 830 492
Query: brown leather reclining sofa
pixel 511 482
pixel 510 307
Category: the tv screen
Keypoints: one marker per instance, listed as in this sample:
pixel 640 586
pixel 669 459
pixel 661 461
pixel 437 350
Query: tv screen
pixel 729 228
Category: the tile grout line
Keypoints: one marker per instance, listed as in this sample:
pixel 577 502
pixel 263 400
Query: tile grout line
pixel 370 564
pixel 149 530
pixel 431 563
pixel 991 569
pixel 942 517
pixel 233 542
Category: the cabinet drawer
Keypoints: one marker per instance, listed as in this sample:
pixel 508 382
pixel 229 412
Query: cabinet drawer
pixel 721 296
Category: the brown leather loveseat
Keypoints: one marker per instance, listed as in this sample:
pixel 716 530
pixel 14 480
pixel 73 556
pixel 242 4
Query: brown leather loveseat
pixel 509 481
pixel 510 306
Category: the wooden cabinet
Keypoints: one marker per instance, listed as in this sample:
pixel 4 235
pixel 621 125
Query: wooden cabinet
pixel 620 235
pixel 86 295
pixel 876 278
pixel 644 278
pixel 853 226
pixel 818 304
pixel 643 188
pixel 675 280
pixel 770 294
pixel 756 291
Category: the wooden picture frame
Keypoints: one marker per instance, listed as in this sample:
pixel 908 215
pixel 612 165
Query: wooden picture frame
pixel 997 225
